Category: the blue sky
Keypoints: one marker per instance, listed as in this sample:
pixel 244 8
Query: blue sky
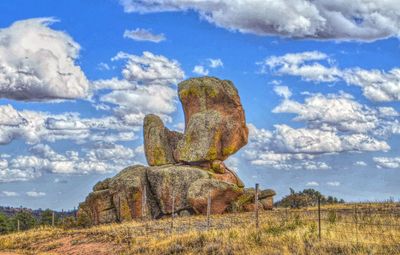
pixel 321 93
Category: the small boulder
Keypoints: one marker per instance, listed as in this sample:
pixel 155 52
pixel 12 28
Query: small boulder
pixel 266 193
pixel 267 203
pixel 246 202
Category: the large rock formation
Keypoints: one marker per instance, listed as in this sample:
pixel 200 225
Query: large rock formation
pixel 185 169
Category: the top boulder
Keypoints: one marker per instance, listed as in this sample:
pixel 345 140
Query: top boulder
pixel 215 125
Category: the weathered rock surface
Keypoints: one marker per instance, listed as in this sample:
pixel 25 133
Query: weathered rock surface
pixel 267 203
pixel 99 207
pixel 159 142
pixel 123 194
pixel 166 181
pixel 222 195
pixel 215 125
pixel 121 198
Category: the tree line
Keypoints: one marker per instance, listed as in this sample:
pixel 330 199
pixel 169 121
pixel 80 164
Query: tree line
pixel 26 219
pixel 306 198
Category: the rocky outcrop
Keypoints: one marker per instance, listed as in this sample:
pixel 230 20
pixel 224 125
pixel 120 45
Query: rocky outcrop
pixel 184 169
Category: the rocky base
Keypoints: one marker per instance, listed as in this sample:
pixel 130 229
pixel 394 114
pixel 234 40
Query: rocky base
pixel 140 191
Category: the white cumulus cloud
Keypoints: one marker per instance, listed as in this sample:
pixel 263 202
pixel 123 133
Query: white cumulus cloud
pixel 38 63
pixel 386 162
pixel 200 70
pixel 333 184
pixel 215 63
pixel 339 111
pixel 150 69
pixel 298 148
pixel 141 34
pixel 312 184
pixel 35 194
pixel 9 193
pixel 360 163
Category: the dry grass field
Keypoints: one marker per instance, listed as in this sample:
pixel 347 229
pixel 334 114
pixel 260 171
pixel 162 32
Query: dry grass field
pixel 345 229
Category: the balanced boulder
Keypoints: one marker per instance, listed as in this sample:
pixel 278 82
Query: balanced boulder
pixel 215 125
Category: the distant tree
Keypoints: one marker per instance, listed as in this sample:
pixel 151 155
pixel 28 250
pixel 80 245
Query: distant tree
pixel 46 217
pixel 26 221
pixel 4 224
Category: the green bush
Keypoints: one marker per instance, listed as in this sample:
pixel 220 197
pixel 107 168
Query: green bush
pixel 26 221
pixel 83 220
pixel 4 224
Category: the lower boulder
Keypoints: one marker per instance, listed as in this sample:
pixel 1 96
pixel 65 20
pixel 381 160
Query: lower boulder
pixel 129 188
pixel 222 195
pixel 140 191
pixel 171 180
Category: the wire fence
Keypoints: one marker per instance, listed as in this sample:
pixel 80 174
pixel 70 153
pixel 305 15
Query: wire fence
pixel 355 224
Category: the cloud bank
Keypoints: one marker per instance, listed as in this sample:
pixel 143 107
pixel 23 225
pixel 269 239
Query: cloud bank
pixel 364 20
pixel 315 66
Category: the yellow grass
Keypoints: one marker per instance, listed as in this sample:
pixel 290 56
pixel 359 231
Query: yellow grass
pixel 375 230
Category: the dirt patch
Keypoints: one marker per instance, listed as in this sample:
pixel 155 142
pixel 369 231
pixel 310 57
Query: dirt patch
pixel 72 246
pixel 86 249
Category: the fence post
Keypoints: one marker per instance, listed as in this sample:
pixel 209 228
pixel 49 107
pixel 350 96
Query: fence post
pixel 173 211
pixel 208 209
pixel 319 218
pixel 18 225
pixel 119 209
pixel 144 201
pixel 286 215
pixel 52 219
pixel 256 206
pixel 356 221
